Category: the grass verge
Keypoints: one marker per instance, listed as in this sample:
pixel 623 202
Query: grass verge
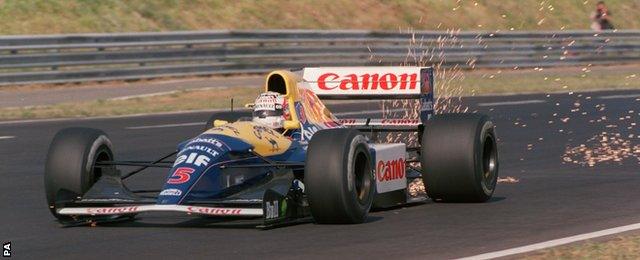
pixel 482 82
pixel 178 101
pixel 550 80
pixel 620 247
pixel 76 16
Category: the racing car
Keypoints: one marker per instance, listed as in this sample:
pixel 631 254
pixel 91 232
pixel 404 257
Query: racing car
pixel 308 164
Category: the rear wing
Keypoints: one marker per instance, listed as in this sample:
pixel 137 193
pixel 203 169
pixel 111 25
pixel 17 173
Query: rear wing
pixel 369 82
pixel 375 82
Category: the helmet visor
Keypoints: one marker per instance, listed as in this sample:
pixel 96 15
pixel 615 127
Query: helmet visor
pixel 266 113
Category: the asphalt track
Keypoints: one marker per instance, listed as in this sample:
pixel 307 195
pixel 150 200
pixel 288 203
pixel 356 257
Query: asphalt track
pixel 551 199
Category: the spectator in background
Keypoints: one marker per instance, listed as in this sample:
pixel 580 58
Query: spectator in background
pixel 601 18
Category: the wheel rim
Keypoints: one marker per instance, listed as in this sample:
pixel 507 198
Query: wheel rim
pixel 362 177
pixel 489 164
pixel 102 154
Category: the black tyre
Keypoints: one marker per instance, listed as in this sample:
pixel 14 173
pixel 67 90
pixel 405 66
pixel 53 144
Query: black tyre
pixel 229 116
pixel 459 158
pixel 70 167
pixel 339 180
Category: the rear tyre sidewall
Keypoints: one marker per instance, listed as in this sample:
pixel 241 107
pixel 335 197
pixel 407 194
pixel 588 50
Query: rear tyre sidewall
pixel 459 158
pixel 488 158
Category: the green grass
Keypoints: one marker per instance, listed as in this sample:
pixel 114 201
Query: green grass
pixel 621 247
pixel 550 80
pixel 78 16
pixel 178 101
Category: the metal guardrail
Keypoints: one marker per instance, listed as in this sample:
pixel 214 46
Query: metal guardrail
pixel 100 57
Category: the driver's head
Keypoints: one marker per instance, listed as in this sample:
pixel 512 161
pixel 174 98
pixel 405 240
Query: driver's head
pixel 268 110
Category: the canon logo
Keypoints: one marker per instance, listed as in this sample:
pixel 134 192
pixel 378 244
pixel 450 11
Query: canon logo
pixel 400 121
pixel 390 170
pixel 388 81
pixel 347 121
pixel 112 210
pixel 213 211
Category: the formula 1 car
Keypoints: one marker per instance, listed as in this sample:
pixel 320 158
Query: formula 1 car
pixel 318 168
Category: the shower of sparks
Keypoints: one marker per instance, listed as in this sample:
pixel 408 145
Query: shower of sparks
pixel 508 179
pixel 448 83
pixel 416 188
pixel 604 147
pixel 448 90
pixel 617 144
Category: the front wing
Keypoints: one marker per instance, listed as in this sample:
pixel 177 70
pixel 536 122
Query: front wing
pixel 199 210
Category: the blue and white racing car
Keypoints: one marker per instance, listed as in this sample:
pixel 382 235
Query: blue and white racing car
pixel 309 165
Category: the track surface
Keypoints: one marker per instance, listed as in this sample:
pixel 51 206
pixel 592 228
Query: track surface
pixel 552 199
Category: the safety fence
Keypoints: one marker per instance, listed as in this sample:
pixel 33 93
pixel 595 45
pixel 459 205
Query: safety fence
pixel 124 56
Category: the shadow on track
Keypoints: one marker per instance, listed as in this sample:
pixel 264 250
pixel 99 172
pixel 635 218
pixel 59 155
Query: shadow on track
pixel 208 222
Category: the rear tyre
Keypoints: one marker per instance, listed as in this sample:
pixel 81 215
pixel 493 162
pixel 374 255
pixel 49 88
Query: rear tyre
pixel 70 168
pixel 339 180
pixel 229 116
pixel 459 158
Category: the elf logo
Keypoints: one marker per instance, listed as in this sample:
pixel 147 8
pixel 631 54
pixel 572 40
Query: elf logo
pixel 193 158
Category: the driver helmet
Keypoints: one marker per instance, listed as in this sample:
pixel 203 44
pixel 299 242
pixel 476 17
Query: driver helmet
pixel 269 110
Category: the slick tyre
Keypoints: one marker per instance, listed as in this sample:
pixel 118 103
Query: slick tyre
pixel 229 116
pixel 70 165
pixel 459 158
pixel 339 180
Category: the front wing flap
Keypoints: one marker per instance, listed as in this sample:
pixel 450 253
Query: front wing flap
pixel 124 210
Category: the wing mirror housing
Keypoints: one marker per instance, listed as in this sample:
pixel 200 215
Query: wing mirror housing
pixel 217 123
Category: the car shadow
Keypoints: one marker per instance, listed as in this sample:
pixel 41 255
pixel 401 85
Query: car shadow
pixel 209 222
pixel 496 199
pixel 253 223
pixel 491 200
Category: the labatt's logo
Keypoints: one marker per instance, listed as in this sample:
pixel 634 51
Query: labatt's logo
pixel 375 81
pixel 390 170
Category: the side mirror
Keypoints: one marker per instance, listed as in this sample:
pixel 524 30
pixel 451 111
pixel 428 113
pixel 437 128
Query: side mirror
pixel 291 125
pixel 217 123
pixel 249 105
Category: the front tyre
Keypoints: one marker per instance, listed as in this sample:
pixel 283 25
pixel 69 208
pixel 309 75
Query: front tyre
pixel 70 168
pixel 339 180
pixel 459 158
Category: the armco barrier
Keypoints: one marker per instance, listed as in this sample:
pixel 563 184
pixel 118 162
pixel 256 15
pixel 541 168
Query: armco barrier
pixel 98 57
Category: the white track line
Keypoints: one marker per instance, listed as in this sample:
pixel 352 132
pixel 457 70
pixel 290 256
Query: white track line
pixel 201 123
pixel 620 96
pixel 510 103
pixel 27 121
pixel 167 93
pixel 145 95
pixel 164 126
pixel 7 137
pixel 555 242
